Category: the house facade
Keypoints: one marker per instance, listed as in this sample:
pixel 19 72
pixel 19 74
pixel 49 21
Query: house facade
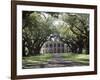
pixel 54 47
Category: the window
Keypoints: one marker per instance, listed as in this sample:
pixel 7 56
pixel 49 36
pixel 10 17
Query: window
pixel 58 44
pixel 54 44
pixel 50 45
pixel 62 45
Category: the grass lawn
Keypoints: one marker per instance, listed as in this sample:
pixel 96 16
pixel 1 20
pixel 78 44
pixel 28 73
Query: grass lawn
pixel 37 59
pixel 42 59
pixel 82 58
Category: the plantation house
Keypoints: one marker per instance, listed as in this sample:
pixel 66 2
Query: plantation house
pixel 54 45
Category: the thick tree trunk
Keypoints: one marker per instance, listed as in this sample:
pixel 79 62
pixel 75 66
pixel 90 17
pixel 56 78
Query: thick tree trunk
pixel 80 50
pixel 23 49
pixel 86 45
pixel 87 49
pixel 80 44
pixel 37 51
pixel 30 51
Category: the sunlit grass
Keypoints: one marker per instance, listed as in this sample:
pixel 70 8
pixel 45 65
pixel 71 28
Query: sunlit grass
pixel 37 59
pixel 44 58
pixel 82 58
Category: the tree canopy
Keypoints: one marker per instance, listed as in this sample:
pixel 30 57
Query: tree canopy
pixel 72 28
pixel 36 30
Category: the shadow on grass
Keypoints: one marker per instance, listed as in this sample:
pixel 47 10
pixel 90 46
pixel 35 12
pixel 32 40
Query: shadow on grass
pixel 43 60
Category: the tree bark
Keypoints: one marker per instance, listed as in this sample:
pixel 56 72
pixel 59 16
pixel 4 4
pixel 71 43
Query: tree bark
pixel 37 51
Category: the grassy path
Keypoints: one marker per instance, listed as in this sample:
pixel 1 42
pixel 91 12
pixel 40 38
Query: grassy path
pixel 56 60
